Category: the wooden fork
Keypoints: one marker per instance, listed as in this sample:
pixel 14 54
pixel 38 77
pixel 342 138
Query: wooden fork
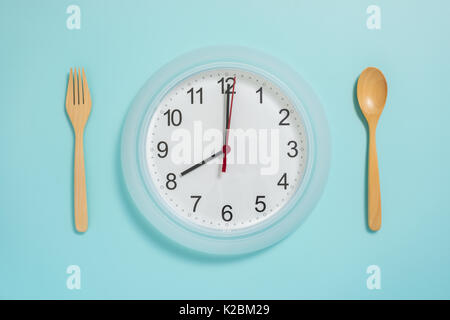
pixel 78 107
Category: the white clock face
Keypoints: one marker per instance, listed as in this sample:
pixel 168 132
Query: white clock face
pixel 199 119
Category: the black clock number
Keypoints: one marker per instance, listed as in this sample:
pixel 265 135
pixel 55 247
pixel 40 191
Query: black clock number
pixel 196 202
pixel 171 182
pixel 174 117
pixel 286 115
pixel 261 203
pixel 199 92
pixel 283 181
pixel 229 82
pixel 226 213
pixel 260 91
pixel 293 149
pixel 163 148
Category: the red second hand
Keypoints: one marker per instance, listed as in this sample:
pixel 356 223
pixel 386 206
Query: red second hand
pixel 226 147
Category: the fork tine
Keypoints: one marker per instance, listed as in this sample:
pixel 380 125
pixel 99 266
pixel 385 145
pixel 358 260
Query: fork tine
pixel 86 93
pixel 80 88
pixel 76 92
pixel 69 94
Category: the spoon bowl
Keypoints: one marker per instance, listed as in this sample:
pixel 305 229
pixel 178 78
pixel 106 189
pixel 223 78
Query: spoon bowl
pixel 372 92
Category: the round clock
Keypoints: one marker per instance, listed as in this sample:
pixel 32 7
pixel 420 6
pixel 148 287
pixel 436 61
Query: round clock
pixel 225 150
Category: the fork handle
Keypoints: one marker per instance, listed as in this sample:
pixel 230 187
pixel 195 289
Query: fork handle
pixel 80 199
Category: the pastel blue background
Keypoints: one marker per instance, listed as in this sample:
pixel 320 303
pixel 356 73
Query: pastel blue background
pixel 121 44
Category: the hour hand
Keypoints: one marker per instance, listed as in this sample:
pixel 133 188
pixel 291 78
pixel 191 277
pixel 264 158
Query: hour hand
pixel 195 166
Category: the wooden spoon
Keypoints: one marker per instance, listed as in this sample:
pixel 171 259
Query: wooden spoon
pixel 372 93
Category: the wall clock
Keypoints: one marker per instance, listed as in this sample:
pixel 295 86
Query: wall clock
pixel 225 150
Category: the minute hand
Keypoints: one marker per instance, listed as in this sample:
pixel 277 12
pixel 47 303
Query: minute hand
pixel 195 166
pixel 226 147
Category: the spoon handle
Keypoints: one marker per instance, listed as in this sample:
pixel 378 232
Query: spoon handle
pixel 374 197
